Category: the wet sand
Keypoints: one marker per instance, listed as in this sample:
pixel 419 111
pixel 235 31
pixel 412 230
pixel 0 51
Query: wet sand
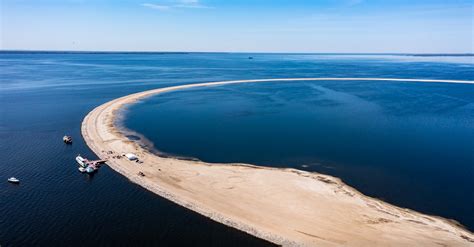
pixel 284 206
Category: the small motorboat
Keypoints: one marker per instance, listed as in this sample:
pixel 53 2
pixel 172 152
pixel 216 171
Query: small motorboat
pixel 82 169
pixel 67 139
pixel 90 169
pixel 13 180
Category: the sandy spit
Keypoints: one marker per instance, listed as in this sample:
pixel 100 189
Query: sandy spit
pixel 285 206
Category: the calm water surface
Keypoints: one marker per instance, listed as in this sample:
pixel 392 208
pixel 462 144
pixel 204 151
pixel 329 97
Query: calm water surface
pixel 406 143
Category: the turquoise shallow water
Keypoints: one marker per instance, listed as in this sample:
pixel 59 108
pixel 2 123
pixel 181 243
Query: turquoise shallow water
pixel 46 95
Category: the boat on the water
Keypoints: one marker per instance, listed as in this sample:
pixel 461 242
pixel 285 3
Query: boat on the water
pixel 90 169
pixel 88 166
pixel 81 161
pixel 13 180
pixel 67 139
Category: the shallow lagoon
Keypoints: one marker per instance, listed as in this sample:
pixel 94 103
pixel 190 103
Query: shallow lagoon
pixel 407 143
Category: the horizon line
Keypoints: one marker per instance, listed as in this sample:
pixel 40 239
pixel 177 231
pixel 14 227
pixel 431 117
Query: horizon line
pixel 242 52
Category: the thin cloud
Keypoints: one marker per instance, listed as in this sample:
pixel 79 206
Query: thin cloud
pixel 193 4
pixel 155 6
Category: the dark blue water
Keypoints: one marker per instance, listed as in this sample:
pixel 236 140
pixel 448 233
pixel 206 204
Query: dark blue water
pixel 44 96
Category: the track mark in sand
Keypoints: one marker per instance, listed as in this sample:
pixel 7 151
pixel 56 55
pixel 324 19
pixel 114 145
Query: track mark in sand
pixel 325 239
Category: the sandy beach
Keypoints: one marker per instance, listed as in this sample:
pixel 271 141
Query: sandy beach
pixel 285 206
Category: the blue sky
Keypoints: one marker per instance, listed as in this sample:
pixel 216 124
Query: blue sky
pixel 243 26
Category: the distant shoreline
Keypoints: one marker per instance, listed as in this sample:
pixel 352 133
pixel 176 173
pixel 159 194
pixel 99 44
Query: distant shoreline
pixel 223 52
pixel 284 206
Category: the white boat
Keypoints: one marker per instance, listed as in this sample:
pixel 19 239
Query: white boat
pixel 81 161
pixel 90 169
pixel 14 180
pixel 82 169
pixel 67 139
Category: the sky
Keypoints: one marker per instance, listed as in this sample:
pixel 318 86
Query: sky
pixel 359 26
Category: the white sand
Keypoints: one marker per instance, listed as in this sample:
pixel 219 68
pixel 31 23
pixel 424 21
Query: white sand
pixel 284 206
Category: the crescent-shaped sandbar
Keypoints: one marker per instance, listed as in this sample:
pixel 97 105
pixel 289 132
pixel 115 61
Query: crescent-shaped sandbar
pixel 284 206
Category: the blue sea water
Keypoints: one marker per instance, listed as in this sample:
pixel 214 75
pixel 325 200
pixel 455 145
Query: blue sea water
pixel 407 143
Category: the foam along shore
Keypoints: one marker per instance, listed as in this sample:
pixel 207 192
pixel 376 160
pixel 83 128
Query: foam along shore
pixel 284 206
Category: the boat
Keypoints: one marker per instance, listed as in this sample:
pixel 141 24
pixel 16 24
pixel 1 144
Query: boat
pixel 81 161
pixel 88 166
pixel 67 139
pixel 13 180
pixel 90 169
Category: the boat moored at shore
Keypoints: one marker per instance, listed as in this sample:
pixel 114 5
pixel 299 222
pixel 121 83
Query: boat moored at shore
pixel 90 169
pixel 81 161
pixel 88 166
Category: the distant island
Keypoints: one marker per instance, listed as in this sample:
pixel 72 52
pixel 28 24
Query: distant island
pixel 444 55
